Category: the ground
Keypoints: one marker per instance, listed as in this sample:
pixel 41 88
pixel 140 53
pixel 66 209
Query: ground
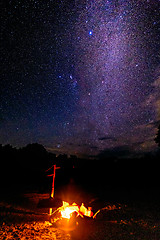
pixel 21 219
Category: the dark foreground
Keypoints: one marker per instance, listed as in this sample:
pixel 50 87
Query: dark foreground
pixel 21 219
pixel 126 189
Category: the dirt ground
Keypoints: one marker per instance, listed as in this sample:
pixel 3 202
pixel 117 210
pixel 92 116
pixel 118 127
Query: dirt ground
pixel 21 219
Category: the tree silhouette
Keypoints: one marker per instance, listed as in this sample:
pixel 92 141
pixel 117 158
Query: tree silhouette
pixel 157 138
pixel 35 148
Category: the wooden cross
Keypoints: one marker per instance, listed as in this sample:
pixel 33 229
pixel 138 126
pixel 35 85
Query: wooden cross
pixel 52 175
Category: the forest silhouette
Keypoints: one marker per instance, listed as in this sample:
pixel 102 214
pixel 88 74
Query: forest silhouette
pixel 25 169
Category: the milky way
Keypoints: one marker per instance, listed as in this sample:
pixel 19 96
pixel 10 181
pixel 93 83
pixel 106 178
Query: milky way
pixel 81 77
pixel 116 72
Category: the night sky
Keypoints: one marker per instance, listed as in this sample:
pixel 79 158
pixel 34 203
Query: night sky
pixel 80 77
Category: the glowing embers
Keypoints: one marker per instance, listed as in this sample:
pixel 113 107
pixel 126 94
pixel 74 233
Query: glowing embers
pixel 66 210
pixel 67 216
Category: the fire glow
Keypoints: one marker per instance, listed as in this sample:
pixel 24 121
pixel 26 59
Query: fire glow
pixel 66 210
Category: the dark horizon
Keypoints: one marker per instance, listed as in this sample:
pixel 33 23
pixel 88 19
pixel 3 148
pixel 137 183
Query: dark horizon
pixel 30 169
pixel 123 153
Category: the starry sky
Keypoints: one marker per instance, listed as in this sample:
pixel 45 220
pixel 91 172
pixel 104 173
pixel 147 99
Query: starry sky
pixel 80 77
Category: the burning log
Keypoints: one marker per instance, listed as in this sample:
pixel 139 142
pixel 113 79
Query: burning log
pixel 67 210
pixel 66 216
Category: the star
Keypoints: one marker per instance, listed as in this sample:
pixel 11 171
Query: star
pixel 71 77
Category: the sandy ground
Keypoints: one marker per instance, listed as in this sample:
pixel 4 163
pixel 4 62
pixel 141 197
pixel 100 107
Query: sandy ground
pixel 22 220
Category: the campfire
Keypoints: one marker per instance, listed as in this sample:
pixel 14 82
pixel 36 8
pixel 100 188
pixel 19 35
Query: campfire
pixel 66 216
pixel 66 210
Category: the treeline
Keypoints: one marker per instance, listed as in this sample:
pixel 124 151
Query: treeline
pixel 28 166
pixel 33 156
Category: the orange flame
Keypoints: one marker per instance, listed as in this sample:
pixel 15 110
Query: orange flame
pixel 66 210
